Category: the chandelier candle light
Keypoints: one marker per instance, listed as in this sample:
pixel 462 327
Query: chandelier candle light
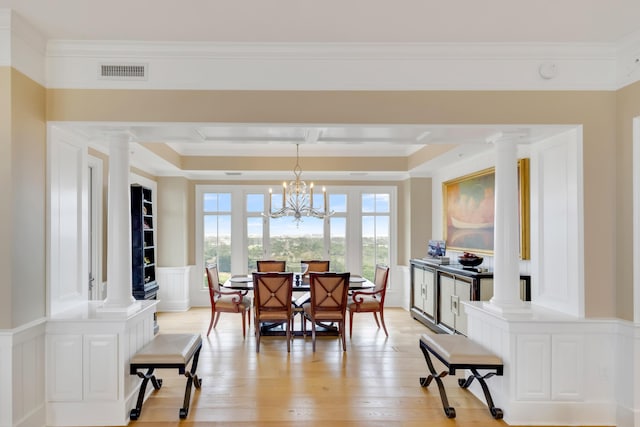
pixel 297 198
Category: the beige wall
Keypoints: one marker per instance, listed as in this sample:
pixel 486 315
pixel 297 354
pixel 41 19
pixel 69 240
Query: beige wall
pixel 22 179
pixel 173 220
pixel 6 228
pixel 421 216
pixel 594 110
pixel 628 107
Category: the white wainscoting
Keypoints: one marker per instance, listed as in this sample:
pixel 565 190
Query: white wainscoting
pixel 625 367
pixel 22 375
pixel 557 223
pixel 173 288
pixel 559 369
pixel 87 359
pixel 68 225
pixel 399 285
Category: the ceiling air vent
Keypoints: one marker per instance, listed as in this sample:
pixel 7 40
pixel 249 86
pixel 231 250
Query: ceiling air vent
pixel 123 71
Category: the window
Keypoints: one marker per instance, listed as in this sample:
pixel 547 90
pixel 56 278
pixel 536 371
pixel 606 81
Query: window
pixel 293 242
pixel 338 232
pixel 255 229
pixel 376 234
pixel 217 244
pixel 235 234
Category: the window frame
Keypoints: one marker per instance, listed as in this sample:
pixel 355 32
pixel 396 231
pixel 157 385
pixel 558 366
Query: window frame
pixel 239 250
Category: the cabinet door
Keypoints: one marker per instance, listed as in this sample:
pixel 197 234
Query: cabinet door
pixel 463 293
pixel 429 292
pixel 100 367
pixel 418 288
pixel 446 299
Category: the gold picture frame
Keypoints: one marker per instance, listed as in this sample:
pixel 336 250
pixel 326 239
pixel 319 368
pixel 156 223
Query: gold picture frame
pixel 469 211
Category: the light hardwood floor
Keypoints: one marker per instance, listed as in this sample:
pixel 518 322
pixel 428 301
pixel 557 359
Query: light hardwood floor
pixel 374 383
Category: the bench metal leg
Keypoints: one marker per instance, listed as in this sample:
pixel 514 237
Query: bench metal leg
pixel 157 383
pixel 495 412
pixel 192 380
pixel 449 411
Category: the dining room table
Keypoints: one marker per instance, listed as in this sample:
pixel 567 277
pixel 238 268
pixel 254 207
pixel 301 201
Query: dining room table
pixel 302 295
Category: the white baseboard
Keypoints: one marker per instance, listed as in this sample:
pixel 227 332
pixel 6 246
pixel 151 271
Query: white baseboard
pixel 35 418
pixel 560 413
pixel 627 417
pixel 175 306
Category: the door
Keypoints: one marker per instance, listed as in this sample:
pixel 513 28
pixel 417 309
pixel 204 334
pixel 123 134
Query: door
pixel 429 292
pixel 463 293
pixel 447 301
pixel 418 287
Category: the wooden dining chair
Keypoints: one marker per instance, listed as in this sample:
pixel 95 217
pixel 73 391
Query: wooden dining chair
pixel 328 302
pixel 272 302
pixel 370 301
pixel 271 265
pixel 316 266
pixel 226 301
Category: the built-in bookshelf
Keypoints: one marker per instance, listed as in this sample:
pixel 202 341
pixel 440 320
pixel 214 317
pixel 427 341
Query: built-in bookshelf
pixel 143 249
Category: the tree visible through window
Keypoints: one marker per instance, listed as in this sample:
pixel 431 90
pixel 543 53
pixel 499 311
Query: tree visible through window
pixel 294 243
pixel 217 232
pixel 338 232
pixel 235 232
pixel 376 235
pixel 255 229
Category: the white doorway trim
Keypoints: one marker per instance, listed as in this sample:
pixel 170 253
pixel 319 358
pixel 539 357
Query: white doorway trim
pixel 96 283
pixel 636 217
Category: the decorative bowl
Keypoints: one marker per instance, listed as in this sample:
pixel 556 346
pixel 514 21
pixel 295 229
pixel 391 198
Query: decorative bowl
pixel 470 262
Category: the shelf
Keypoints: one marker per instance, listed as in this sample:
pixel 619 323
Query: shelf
pixel 143 244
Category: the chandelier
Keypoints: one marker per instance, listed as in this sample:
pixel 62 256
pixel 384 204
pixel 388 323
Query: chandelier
pixel 297 198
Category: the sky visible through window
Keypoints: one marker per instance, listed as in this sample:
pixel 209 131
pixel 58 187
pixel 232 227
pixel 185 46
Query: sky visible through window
pixel 310 226
pixel 286 226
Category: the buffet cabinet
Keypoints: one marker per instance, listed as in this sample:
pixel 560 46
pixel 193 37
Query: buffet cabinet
pixel 437 293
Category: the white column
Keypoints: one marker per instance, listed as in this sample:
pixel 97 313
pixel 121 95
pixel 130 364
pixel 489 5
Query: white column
pixel 506 274
pixel 119 298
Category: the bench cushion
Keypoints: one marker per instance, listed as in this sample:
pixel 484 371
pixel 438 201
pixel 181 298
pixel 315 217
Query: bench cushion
pixel 168 349
pixel 459 350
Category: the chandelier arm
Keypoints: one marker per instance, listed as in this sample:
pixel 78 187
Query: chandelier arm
pixel 297 202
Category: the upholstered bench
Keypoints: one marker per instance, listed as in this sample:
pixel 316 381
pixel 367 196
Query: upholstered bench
pixel 167 351
pixel 459 352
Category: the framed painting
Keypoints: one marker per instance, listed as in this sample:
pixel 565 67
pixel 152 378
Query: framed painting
pixel 469 211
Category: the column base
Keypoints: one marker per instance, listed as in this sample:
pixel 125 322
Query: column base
pixel 118 309
pixel 507 307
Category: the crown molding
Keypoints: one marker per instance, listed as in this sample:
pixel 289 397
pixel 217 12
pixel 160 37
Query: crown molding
pixel 628 60
pixel 331 51
pixel 22 46
pixel 333 66
pixel 5 38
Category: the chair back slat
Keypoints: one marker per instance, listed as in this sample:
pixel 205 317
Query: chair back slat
pixel 381 278
pixel 213 280
pixel 271 265
pixel 329 291
pixel 317 266
pixel 273 291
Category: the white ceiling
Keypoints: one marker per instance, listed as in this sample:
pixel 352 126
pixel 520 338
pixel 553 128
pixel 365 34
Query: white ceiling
pixel 327 21
pixel 334 21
